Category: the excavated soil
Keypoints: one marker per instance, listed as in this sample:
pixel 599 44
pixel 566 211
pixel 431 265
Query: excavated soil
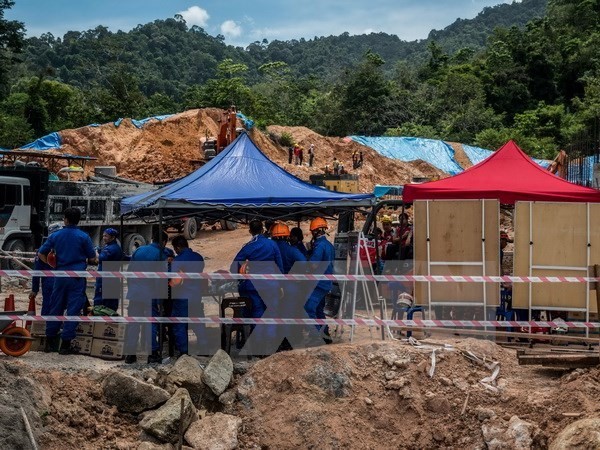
pixel 165 150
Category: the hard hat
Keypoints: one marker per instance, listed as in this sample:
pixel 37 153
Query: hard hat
pixel 318 222
pixel 111 232
pixel 386 219
pixel 53 228
pixel 280 229
pixel 405 299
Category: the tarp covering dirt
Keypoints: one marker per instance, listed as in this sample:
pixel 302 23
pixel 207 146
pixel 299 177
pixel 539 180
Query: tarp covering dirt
pixel 437 153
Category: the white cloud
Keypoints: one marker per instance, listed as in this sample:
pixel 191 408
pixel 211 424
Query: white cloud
pixel 195 15
pixel 231 29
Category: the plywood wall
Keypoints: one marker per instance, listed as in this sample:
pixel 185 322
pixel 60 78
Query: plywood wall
pixel 455 233
pixel 558 239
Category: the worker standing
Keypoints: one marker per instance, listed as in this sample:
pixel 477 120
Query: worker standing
pixel 296 238
pixel 187 294
pixel 74 250
pixel 46 282
pixel 260 255
pixel 311 155
pixel 293 294
pixel 321 262
pixel 111 251
pixel 145 295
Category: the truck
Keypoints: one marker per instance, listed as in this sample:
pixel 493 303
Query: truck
pixel 32 198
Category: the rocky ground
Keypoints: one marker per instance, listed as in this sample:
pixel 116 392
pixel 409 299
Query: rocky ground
pixel 441 394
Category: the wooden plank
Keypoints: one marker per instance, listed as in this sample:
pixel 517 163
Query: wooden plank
pixel 563 360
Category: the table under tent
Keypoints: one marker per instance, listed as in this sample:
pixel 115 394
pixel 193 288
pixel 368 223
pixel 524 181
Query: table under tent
pixel 457 224
pixel 241 184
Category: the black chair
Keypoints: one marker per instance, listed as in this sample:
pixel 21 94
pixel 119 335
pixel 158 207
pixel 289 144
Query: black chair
pixel 242 331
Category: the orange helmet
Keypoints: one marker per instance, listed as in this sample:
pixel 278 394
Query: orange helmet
pixel 280 229
pixel 318 222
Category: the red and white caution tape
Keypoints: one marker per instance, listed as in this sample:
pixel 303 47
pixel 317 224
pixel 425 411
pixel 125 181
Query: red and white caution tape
pixel 291 277
pixel 280 321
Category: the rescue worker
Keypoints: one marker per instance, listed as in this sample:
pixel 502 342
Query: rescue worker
pixel 46 282
pixel 293 295
pixel 296 238
pixel 186 294
pixel 321 259
pixel 147 258
pixel 111 251
pixel 255 257
pixel 74 251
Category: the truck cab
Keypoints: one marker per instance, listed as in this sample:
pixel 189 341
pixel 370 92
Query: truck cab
pixel 15 213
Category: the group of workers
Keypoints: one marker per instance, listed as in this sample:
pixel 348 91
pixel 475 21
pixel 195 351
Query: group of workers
pixel 277 249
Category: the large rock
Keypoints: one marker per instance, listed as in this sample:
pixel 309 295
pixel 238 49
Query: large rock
pixel 216 432
pixel 165 422
pixel 517 434
pixel 583 434
pixel 187 374
pixel 131 395
pixel 218 372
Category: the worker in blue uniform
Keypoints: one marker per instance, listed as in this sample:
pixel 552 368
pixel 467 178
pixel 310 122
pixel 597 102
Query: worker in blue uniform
pixel 47 283
pixel 111 251
pixel 259 255
pixel 320 262
pixel 145 295
pixel 187 294
pixel 292 304
pixel 74 250
pixel 296 238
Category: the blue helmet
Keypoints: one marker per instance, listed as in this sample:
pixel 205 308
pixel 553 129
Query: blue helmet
pixel 111 232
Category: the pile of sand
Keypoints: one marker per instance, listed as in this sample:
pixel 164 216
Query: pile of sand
pixel 164 150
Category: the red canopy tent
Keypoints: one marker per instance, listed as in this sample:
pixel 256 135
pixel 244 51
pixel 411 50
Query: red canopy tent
pixel 509 175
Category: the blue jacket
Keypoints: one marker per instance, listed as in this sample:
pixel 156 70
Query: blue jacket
pixel 110 252
pixel 260 248
pixel 147 258
pixel 188 261
pixel 323 250
pixel 73 248
pixel 289 255
pixel 47 282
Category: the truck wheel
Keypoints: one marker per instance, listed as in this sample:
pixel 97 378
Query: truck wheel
pixel 131 242
pixel 228 225
pixel 190 228
pixel 14 245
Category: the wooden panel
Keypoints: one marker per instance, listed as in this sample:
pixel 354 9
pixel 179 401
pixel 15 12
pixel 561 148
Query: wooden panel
pixel 521 255
pixel 420 249
pixel 456 292
pixel 455 234
pixel 560 234
pixel 455 230
pixel 594 249
pixel 562 295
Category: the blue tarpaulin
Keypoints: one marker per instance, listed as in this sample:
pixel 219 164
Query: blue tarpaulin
pixel 48 142
pixel 241 176
pixel 476 154
pixel 140 123
pixel 381 190
pixel 248 123
pixel 437 153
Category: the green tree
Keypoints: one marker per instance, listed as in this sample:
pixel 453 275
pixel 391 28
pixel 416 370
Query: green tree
pixel 12 35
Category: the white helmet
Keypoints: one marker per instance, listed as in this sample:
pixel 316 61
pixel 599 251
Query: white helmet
pixel 53 227
pixel 405 299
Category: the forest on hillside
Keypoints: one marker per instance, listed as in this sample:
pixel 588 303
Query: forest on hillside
pixel 527 71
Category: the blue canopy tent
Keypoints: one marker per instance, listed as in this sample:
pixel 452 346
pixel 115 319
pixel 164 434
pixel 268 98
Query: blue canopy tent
pixel 240 184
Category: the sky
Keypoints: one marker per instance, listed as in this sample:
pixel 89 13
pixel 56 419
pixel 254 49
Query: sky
pixel 244 22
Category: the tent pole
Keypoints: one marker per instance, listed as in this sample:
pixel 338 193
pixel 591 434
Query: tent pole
pixel 484 285
pixel 587 291
pixel 161 303
pixel 530 255
pixel 428 264
pixel 122 283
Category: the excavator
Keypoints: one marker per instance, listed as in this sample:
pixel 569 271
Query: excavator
pixel 558 166
pixel 227 133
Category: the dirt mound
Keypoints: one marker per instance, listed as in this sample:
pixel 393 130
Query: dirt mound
pixel 367 396
pixel 164 150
